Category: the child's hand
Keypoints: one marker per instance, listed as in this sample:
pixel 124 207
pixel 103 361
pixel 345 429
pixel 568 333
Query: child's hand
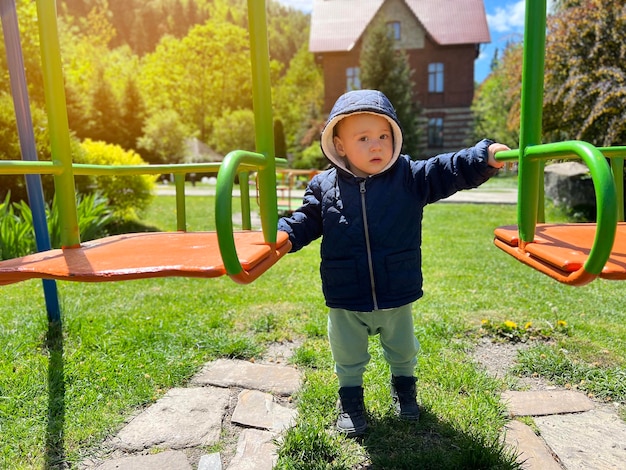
pixel 493 149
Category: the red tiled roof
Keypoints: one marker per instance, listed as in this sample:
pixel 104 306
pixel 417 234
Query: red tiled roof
pixel 336 25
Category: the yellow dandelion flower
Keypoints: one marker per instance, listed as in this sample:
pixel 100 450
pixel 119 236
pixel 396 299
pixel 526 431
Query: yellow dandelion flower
pixel 510 324
pixel 561 323
pixel 528 325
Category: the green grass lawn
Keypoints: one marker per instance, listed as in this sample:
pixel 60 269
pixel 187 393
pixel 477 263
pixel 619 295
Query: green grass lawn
pixel 125 344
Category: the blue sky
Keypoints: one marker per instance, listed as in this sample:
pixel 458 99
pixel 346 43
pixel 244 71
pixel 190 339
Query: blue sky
pixel 505 19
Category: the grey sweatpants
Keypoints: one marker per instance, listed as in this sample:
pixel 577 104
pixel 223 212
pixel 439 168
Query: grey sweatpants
pixel 349 332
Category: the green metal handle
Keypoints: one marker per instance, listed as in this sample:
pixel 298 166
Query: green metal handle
pixel 604 187
pixel 231 165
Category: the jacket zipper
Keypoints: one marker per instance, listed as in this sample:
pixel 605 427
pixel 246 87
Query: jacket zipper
pixel 367 244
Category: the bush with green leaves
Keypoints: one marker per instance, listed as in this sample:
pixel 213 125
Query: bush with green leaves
pixel 10 148
pixel 94 216
pixel 17 234
pixel 312 157
pixel 127 194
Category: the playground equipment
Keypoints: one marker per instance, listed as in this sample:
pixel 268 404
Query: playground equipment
pixel 573 254
pixel 287 182
pixel 243 255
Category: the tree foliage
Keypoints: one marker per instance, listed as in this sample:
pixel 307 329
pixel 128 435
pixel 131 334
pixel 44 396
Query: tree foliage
pixel 10 147
pixel 234 131
pixel 298 97
pixel 384 68
pixel 201 75
pixel 164 137
pixel 148 75
pixel 139 24
pixel 585 86
pixel 29 36
pixel 496 105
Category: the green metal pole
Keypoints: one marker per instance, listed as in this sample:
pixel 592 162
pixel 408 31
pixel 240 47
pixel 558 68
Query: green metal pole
pixel 530 176
pixel 54 92
pixel 263 120
pixel 605 192
pixel 181 211
pixel 617 165
pixel 244 196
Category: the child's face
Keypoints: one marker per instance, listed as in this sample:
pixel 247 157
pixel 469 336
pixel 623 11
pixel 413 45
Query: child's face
pixel 366 141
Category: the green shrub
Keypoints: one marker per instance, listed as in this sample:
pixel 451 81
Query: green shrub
pixel 312 157
pixel 17 234
pixel 94 216
pixel 126 194
pixel 10 148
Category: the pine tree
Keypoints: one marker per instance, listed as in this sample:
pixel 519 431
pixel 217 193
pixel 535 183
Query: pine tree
pixel 384 68
pixel 105 121
pixel 132 116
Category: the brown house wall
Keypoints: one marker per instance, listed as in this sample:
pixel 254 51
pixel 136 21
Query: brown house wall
pixel 453 104
pixel 458 74
pixel 334 65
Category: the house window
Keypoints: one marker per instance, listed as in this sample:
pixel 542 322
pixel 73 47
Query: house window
pixel 393 30
pixel 435 132
pixel 435 77
pixel 353 81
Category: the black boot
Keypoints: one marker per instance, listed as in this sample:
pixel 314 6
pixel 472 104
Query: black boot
pixel 404 397
pixel 351 406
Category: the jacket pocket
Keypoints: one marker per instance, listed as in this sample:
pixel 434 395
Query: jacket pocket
pixel 403 273
pixel 340 280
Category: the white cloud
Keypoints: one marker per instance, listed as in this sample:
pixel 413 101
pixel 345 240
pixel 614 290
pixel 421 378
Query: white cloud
pixel 511 17
pixel 507 18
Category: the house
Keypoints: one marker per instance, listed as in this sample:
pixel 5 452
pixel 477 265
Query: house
pixel 441 39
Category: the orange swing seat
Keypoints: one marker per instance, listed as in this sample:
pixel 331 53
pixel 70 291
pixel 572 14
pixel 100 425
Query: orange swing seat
pixel 560 251
pixel 147 255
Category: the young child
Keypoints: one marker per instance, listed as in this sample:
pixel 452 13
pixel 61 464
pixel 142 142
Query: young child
pixel 368 210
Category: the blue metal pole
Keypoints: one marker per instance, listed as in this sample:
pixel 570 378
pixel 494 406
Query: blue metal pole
pixel 23 117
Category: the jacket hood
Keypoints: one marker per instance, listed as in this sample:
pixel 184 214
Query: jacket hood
pixel 354 102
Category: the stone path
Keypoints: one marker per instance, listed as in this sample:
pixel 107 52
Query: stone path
pixel 570 431
pixel 574 432
pixel 244 406
pixel 252 400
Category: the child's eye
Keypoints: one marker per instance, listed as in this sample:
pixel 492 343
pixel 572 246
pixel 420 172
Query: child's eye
pixel 384 137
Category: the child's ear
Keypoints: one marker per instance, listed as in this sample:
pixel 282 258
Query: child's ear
pixel 339 146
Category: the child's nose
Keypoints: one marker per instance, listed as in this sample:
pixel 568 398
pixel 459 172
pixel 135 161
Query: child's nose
pixel 376 144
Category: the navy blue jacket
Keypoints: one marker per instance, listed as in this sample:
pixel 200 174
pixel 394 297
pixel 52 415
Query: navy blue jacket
pixel 371 228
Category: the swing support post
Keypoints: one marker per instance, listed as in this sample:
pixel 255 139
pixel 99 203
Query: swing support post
pixel 530 170
pixel 263 120
pixel 54 91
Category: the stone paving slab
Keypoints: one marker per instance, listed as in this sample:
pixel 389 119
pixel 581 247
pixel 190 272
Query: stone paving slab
pixel 546 402
pixel 184 417
pixel 255 451
pixel 210 462
pixel 169 460
pixel 281 380
pixel 534 453
pixel 258 409
pixel 592 440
